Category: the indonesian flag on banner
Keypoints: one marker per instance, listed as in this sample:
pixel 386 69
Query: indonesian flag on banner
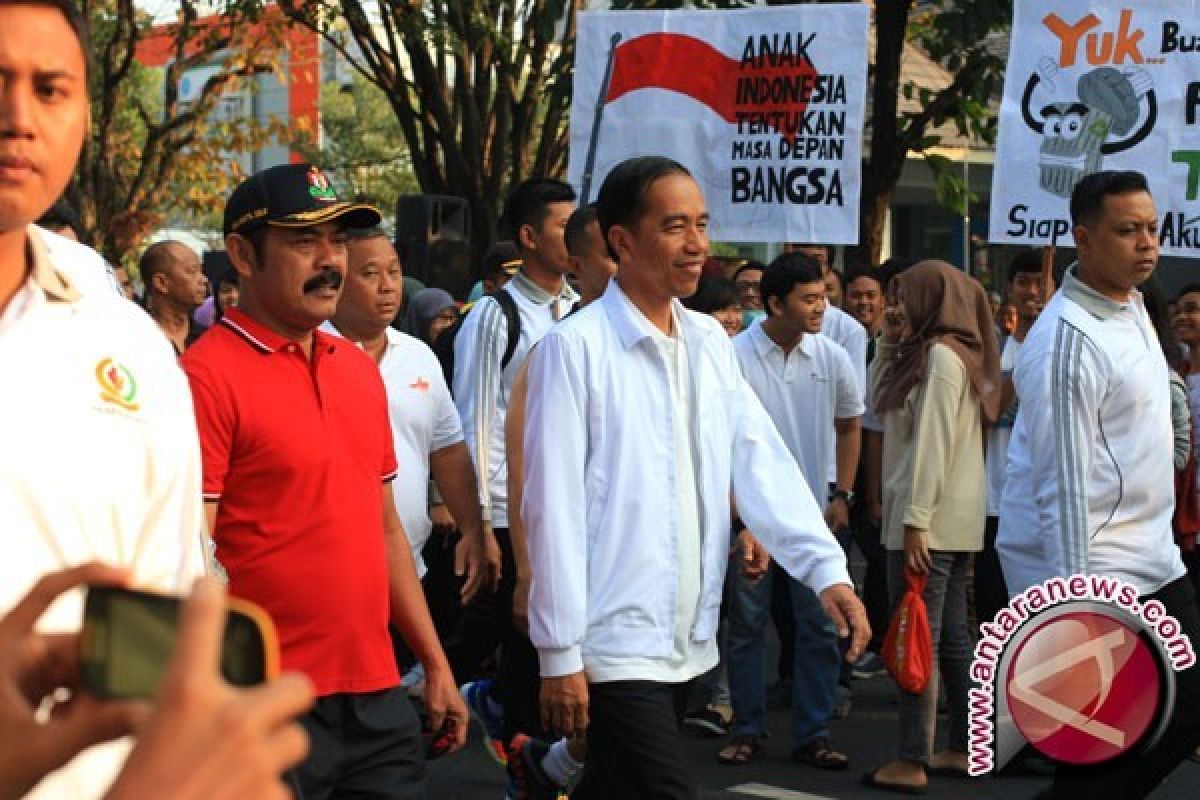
pixel 680 63
pixel 763 106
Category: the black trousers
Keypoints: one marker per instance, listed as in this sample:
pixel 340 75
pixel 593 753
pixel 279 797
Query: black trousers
pixel 635 749
pixel 1133 776
pixel 362 747
pixel 874 587
pixel 991 594
pixel 487 623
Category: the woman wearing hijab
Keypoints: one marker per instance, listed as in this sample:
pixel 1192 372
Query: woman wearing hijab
pixel 429 312
pixel 936 382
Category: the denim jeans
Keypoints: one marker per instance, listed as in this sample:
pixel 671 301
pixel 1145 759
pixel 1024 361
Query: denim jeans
pixel 815 666
pixel 946 603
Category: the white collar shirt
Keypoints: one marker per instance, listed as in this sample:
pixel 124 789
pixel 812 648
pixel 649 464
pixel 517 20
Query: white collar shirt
pixel 804 392
pixel 1090 482
pixel 600 502
pixel 482 385
pixel 100 459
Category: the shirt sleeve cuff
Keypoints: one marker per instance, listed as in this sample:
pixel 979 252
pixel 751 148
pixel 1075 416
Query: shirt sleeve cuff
pixel 832 572
pixel 557 662
pixel 918 517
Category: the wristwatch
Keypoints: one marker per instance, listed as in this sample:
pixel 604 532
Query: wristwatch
pixel 844 495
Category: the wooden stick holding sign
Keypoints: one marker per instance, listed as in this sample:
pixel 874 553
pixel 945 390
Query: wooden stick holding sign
pixel 1048 269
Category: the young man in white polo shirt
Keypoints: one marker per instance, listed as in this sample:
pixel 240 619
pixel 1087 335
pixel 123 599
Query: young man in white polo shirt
pixel 638 425
pixel 99 457
pixel 808 387
pixel 1090 482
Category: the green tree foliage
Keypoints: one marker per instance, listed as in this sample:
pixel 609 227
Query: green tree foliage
pixel 150 156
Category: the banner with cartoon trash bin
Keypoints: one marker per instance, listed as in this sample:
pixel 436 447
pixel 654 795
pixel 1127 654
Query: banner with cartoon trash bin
pixel 1097 86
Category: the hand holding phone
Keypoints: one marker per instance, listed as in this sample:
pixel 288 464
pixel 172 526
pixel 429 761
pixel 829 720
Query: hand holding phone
pixel 128 638
pixel 34 666
pixel 206 739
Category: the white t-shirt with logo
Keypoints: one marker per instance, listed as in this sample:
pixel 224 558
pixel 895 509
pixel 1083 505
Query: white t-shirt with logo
pixel 424 420
pixel 99 457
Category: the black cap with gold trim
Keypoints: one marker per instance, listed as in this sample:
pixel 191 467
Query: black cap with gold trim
pixel 291 196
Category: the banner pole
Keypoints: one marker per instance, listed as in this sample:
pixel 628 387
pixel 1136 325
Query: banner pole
pixel 590 163
pixel 1048 268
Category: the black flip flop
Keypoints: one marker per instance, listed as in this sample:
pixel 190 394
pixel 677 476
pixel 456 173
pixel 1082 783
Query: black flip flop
pixel 947 772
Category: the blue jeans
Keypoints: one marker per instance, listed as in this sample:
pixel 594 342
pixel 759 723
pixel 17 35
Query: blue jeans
pixel 816 661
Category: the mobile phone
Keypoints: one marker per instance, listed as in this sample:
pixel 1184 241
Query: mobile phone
pixel 129 636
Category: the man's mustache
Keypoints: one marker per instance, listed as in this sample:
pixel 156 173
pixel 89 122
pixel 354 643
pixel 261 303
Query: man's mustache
pixel 325 279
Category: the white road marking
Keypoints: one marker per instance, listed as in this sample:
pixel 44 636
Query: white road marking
pixel 773 792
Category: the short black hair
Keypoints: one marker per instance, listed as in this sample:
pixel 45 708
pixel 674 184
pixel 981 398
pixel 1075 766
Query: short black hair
pixel 751 264
pixel 75 19
pixel 501 257
pixel 1190 288
pixel 1027 261
pixel 61 215
pixel 892 267
pixel 365 234
pixel 528 203
pixel 713 293
pixel 1087 200
pixel 622 196
pixel 856 271
pixel 577 234
pixel 785 273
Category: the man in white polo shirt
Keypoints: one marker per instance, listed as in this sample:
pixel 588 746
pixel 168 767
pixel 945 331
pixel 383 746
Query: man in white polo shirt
pixel 100 459
pixel 808 387
pixel 638 425
pixel 426 431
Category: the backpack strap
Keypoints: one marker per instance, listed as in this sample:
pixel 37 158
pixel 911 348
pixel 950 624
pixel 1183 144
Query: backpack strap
pixel 513 317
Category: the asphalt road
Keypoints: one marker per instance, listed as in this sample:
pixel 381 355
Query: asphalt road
pixel 868 736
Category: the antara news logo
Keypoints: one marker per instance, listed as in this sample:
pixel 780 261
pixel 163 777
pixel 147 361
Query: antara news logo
pixel 1079 668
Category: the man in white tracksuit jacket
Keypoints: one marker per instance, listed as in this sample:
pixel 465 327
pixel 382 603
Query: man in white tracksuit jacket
pixel 1090 479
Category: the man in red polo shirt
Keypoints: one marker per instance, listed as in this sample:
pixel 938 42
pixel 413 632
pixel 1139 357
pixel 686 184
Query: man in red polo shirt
pixel 297 454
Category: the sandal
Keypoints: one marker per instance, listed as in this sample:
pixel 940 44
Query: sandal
pixel 742 750
pixel 872 779
pixel 819 753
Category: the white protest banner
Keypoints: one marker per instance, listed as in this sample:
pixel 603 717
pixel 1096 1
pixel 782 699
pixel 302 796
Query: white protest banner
pixel 764 107
pixel 1103 85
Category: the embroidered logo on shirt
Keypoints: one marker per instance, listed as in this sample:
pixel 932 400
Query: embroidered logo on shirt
pixel 420 384
pixel 117 384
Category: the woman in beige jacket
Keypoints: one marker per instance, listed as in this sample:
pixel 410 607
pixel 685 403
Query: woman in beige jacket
pixel 935 381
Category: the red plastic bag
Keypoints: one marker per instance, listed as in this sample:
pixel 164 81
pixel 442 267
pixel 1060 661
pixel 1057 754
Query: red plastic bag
pixel 908 646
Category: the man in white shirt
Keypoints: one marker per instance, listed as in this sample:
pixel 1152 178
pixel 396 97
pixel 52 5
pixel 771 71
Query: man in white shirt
pixel 837 324
pixel 99 457
pixel 485 365
pixel 1090 465
pixel 638 426
pixel 808 387
pixel 426 431
pixel 1027 294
